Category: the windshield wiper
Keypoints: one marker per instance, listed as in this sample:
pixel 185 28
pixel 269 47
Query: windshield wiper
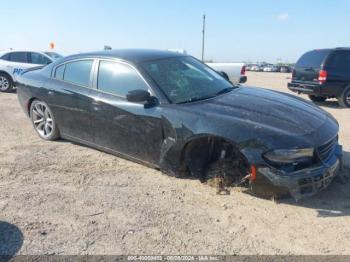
pixel 194 99
pixel 198 98
pixel 224 91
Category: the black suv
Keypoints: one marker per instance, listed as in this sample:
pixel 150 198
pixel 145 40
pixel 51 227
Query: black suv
pixel 322 74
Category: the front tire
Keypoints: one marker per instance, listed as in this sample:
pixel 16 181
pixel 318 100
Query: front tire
pixel 43 121
pixel 318 99
pixel 224 173
pixel 6 83
pixel 344 98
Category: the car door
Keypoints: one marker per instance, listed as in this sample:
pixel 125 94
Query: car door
pixel 119 125
pixel 68 95
pixel 17 62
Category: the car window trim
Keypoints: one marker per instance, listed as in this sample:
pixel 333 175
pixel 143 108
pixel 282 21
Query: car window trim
pixel 53 72
pixel 97 67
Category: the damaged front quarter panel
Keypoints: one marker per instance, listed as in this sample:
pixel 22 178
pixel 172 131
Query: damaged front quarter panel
pixel 252 137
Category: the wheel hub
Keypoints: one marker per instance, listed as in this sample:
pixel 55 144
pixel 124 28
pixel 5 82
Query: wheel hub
pixel 42 120
pixel 4 83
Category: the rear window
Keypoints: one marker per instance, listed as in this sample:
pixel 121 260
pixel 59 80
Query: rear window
pixel 5 57
pixel 313 59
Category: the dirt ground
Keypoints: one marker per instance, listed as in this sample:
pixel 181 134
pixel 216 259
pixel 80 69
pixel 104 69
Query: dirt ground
pixel 62 198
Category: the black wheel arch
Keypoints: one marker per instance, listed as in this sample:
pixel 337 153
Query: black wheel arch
pixel 29 103
pixel 207 148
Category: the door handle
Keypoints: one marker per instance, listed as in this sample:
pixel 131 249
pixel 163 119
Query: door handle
pixel 96 105
pixel 96 108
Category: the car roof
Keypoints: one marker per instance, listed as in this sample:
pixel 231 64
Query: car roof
pixel 6 51
pixel 330 49
pixel 343 48
pixel 132 55
pixel 21 50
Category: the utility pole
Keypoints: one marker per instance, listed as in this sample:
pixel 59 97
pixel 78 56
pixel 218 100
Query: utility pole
pixel 203 32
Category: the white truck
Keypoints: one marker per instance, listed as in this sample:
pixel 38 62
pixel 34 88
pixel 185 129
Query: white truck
pixel 13 62
pixel 234 72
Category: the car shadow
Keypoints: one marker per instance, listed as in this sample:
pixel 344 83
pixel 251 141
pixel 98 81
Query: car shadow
pixel 333 201
pixel 329 104
pixel 11 241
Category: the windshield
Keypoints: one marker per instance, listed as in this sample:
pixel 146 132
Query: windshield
pixel 184 79
pixel 53 55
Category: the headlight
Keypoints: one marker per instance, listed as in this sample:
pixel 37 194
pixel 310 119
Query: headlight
pixel 290 156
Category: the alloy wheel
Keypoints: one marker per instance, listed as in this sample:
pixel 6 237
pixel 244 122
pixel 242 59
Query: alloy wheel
pixel 42 119
pixel 4 83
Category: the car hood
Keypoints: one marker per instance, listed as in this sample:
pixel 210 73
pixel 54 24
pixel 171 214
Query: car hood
pixel 264 108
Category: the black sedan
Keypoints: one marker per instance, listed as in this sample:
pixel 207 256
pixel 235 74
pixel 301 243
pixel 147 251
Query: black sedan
pixel 172 112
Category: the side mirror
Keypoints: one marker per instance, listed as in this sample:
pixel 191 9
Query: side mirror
pixel 138 96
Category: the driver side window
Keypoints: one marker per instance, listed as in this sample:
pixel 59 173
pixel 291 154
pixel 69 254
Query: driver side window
pixel 118 78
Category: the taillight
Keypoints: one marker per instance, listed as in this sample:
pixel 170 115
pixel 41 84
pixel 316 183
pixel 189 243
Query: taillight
pixel 243 70
pixel 322 76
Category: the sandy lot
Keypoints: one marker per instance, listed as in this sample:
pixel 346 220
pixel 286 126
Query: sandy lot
pixel 62 198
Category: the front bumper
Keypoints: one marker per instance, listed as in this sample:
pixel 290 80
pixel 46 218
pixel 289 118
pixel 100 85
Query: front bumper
pixel 306 182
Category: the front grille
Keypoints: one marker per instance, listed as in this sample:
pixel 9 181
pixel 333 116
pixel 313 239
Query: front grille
pixel 326 149
pixel 316 183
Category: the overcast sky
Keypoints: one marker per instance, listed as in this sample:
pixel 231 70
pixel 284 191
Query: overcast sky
pixel 236 30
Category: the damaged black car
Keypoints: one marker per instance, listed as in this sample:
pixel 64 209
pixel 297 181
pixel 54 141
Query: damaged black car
pixel 172 112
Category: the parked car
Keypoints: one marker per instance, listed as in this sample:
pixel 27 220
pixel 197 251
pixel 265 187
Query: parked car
pixel 322 74
pixel 256 68
pixel 284 69
pixel 12 63
pixel 174 113
pixel 270 68
pixel 248 67
pixel 234 72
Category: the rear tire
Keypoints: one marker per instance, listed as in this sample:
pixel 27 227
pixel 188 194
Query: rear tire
pixel 6 83
pixel 344 98
pixel 43 121
pixel 318 99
